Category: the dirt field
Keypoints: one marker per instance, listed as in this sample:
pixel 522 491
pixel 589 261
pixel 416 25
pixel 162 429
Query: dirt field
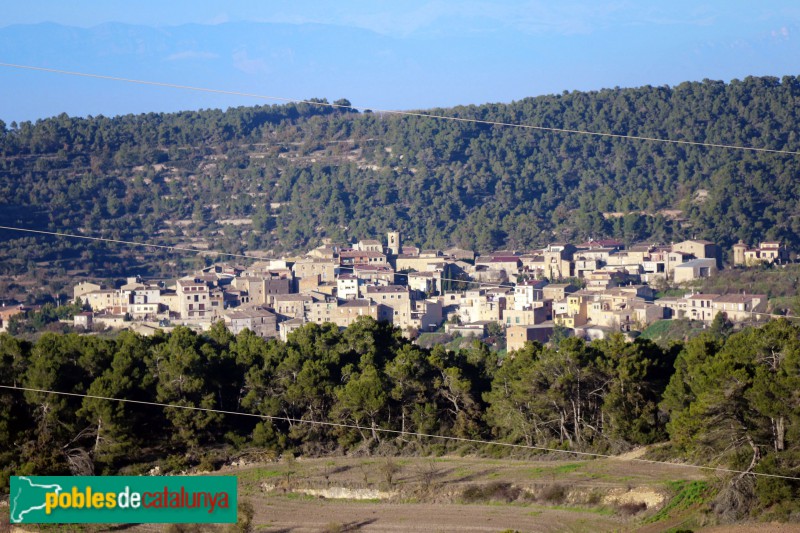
pixel 280 514
pixel 374 494
pixel 428 494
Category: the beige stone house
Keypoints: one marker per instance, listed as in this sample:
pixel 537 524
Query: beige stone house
pixel 374 274
pixel 288 326
pixel 418 263
pixel 741 307
pixel 426 315
pixel 342 312
pixel 557 291
pixel 557 261
pixel 289 306
pixel 369 245
pixel 262 322
pixel 577 309
pixel 694 270
pixel 194 299
pixel 423 282
pixel 528 317
pixel 601 280
pixel 517 336
pixel 701 307
pixel 261 290
pixel 311 267
pixel 83 288
pixel 480 305
pixel 510 264
pixel 358 257
pixel 106 299
pixel 324 252
pixel 83 320
pixel 767 252
pixel 701 249
pixel 397 302
pixel 704 307
pixel 459 254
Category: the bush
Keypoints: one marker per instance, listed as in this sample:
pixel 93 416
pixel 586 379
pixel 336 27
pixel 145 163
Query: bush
pixel 244 522
pixel 390 468
pixel 497 491
pixel 631 508
pixel 595 497
pixel 776 498
pixel 174 463
pixel 553 493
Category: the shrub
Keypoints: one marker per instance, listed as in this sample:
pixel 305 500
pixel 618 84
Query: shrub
pixel 497 491
pixel 553 493
pixel 631 508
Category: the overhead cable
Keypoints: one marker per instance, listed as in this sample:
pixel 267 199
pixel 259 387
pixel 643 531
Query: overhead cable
pixel 418 114
pixel 402 432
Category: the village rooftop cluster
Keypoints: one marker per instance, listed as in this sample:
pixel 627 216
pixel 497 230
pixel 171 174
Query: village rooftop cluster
pixel 593 289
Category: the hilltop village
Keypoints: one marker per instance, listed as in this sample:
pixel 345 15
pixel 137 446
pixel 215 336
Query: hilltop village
pixel 593 289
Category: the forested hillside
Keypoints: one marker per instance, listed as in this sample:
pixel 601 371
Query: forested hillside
pixel 727 401
pixel 293 174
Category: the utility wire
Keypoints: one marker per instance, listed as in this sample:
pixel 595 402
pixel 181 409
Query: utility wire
pixel 396 112
pixel 391 112
pixel 212 252
pixel 257 258
pixel 400 432
pixel 132 243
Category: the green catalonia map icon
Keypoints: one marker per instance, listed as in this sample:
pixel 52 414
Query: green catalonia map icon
pixel 28 499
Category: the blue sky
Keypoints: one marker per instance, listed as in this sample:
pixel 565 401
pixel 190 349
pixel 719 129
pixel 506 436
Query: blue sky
pixel 399 55
pixel 419 17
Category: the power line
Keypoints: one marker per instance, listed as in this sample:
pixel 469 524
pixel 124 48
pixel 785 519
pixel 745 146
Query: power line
pixel 396 112
pixel 211 252
pixel 132 243
pixel 400 432
pixel 258 258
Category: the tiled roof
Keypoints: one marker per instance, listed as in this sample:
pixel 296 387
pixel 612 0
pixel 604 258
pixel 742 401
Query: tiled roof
pixel 356 303
pixel 703 297
pixel 387 289
pixel 739 298
pixel 361 254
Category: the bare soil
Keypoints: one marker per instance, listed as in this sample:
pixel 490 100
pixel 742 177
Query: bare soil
pixel 281 514
pixel 428 494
